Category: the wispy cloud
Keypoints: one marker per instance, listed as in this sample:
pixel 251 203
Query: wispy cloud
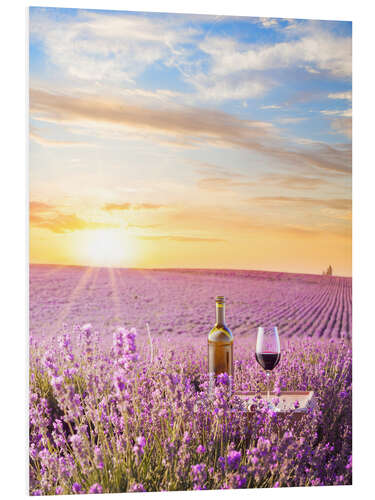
pixel 182 239
pixel 241 70
pixel 337 112
pixel 229 180
pixel 268 22
pixel 44 141
pixel 197 125
pixel 343 126
pixel 40 207
pixel 341 95
pixel 341 120
pixel 52 218
pixel 103 46
pixel 211 87
pixel 287 181
pixel 271 106
pixel 131 206
pixel 319 48
pixel 289 120
pixel 337 204
pixel 222 183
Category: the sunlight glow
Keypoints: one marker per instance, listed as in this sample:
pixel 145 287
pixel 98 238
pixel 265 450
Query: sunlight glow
pixel 105 247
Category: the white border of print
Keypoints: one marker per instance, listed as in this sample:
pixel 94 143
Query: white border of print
pixel 14 236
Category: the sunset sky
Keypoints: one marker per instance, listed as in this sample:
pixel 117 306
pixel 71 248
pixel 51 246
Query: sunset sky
pixel 165 140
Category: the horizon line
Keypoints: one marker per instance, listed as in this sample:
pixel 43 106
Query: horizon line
pixel 183 269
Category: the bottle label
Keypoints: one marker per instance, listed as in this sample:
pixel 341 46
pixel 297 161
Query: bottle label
pixel 220 358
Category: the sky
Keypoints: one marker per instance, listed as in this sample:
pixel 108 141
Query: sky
pixel 174 140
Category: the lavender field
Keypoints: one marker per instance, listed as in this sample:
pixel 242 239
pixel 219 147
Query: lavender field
pixel 118 382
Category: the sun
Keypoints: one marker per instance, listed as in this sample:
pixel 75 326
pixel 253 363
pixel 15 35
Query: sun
pixel 105 247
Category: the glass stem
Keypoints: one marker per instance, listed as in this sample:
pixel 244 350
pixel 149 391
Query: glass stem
pixel 268 384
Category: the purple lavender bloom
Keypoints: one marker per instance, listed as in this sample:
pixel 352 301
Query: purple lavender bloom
pixel 141 441
pixel 96 488
pixel 87 330
pixel 138 448
pixel 187 438
pixel 98 457
pixel 221 461
pixel 199 473
pixel 137 487
pixel 234 459
pixel 57 382
pixel 120 380
pixel 223 378
pixel 119 338
pixel 201 449
pixel 77 488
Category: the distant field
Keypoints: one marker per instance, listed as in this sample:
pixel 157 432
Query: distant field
pixel 182 301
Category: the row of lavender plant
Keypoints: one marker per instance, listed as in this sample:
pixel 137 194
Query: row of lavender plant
pixel 177 301
pixel 129 419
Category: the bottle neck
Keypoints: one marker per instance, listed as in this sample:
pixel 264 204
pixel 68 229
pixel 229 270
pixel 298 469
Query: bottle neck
pixel 220 313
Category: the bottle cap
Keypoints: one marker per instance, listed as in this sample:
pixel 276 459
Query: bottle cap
pixel 220 298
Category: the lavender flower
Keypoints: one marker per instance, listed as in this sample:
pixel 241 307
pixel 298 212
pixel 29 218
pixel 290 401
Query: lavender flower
pixel 77 488
pixel 199 475
pixel 234 459
pixel 137 487
pixel 96 488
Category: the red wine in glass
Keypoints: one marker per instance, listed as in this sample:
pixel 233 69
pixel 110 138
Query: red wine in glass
pixel 267 351
pixel 268 360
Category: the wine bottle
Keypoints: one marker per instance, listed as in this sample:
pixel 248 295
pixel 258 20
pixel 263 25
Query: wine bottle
pixel 220 346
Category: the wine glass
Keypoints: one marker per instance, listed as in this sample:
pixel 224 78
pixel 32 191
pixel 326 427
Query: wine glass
pixel 267 351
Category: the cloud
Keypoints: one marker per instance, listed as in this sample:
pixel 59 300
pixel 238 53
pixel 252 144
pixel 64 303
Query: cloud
pixel 311 70
pixel 337 112
pixel 106 47
pixel 44 141
pixel 40 207
pixel 341 95
pixel 182 239
pixel 238 224
pixel 271 106
pixel 209 87
pixel 343 126
pixel 229 179
pixel 222 183
pixel 131 206
pixel 337 203
pixel 142 226
pixel 199 126
pixel 50 217
pixel 287 121
pixel 318 48
pixel 291 181
pixel 268 22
